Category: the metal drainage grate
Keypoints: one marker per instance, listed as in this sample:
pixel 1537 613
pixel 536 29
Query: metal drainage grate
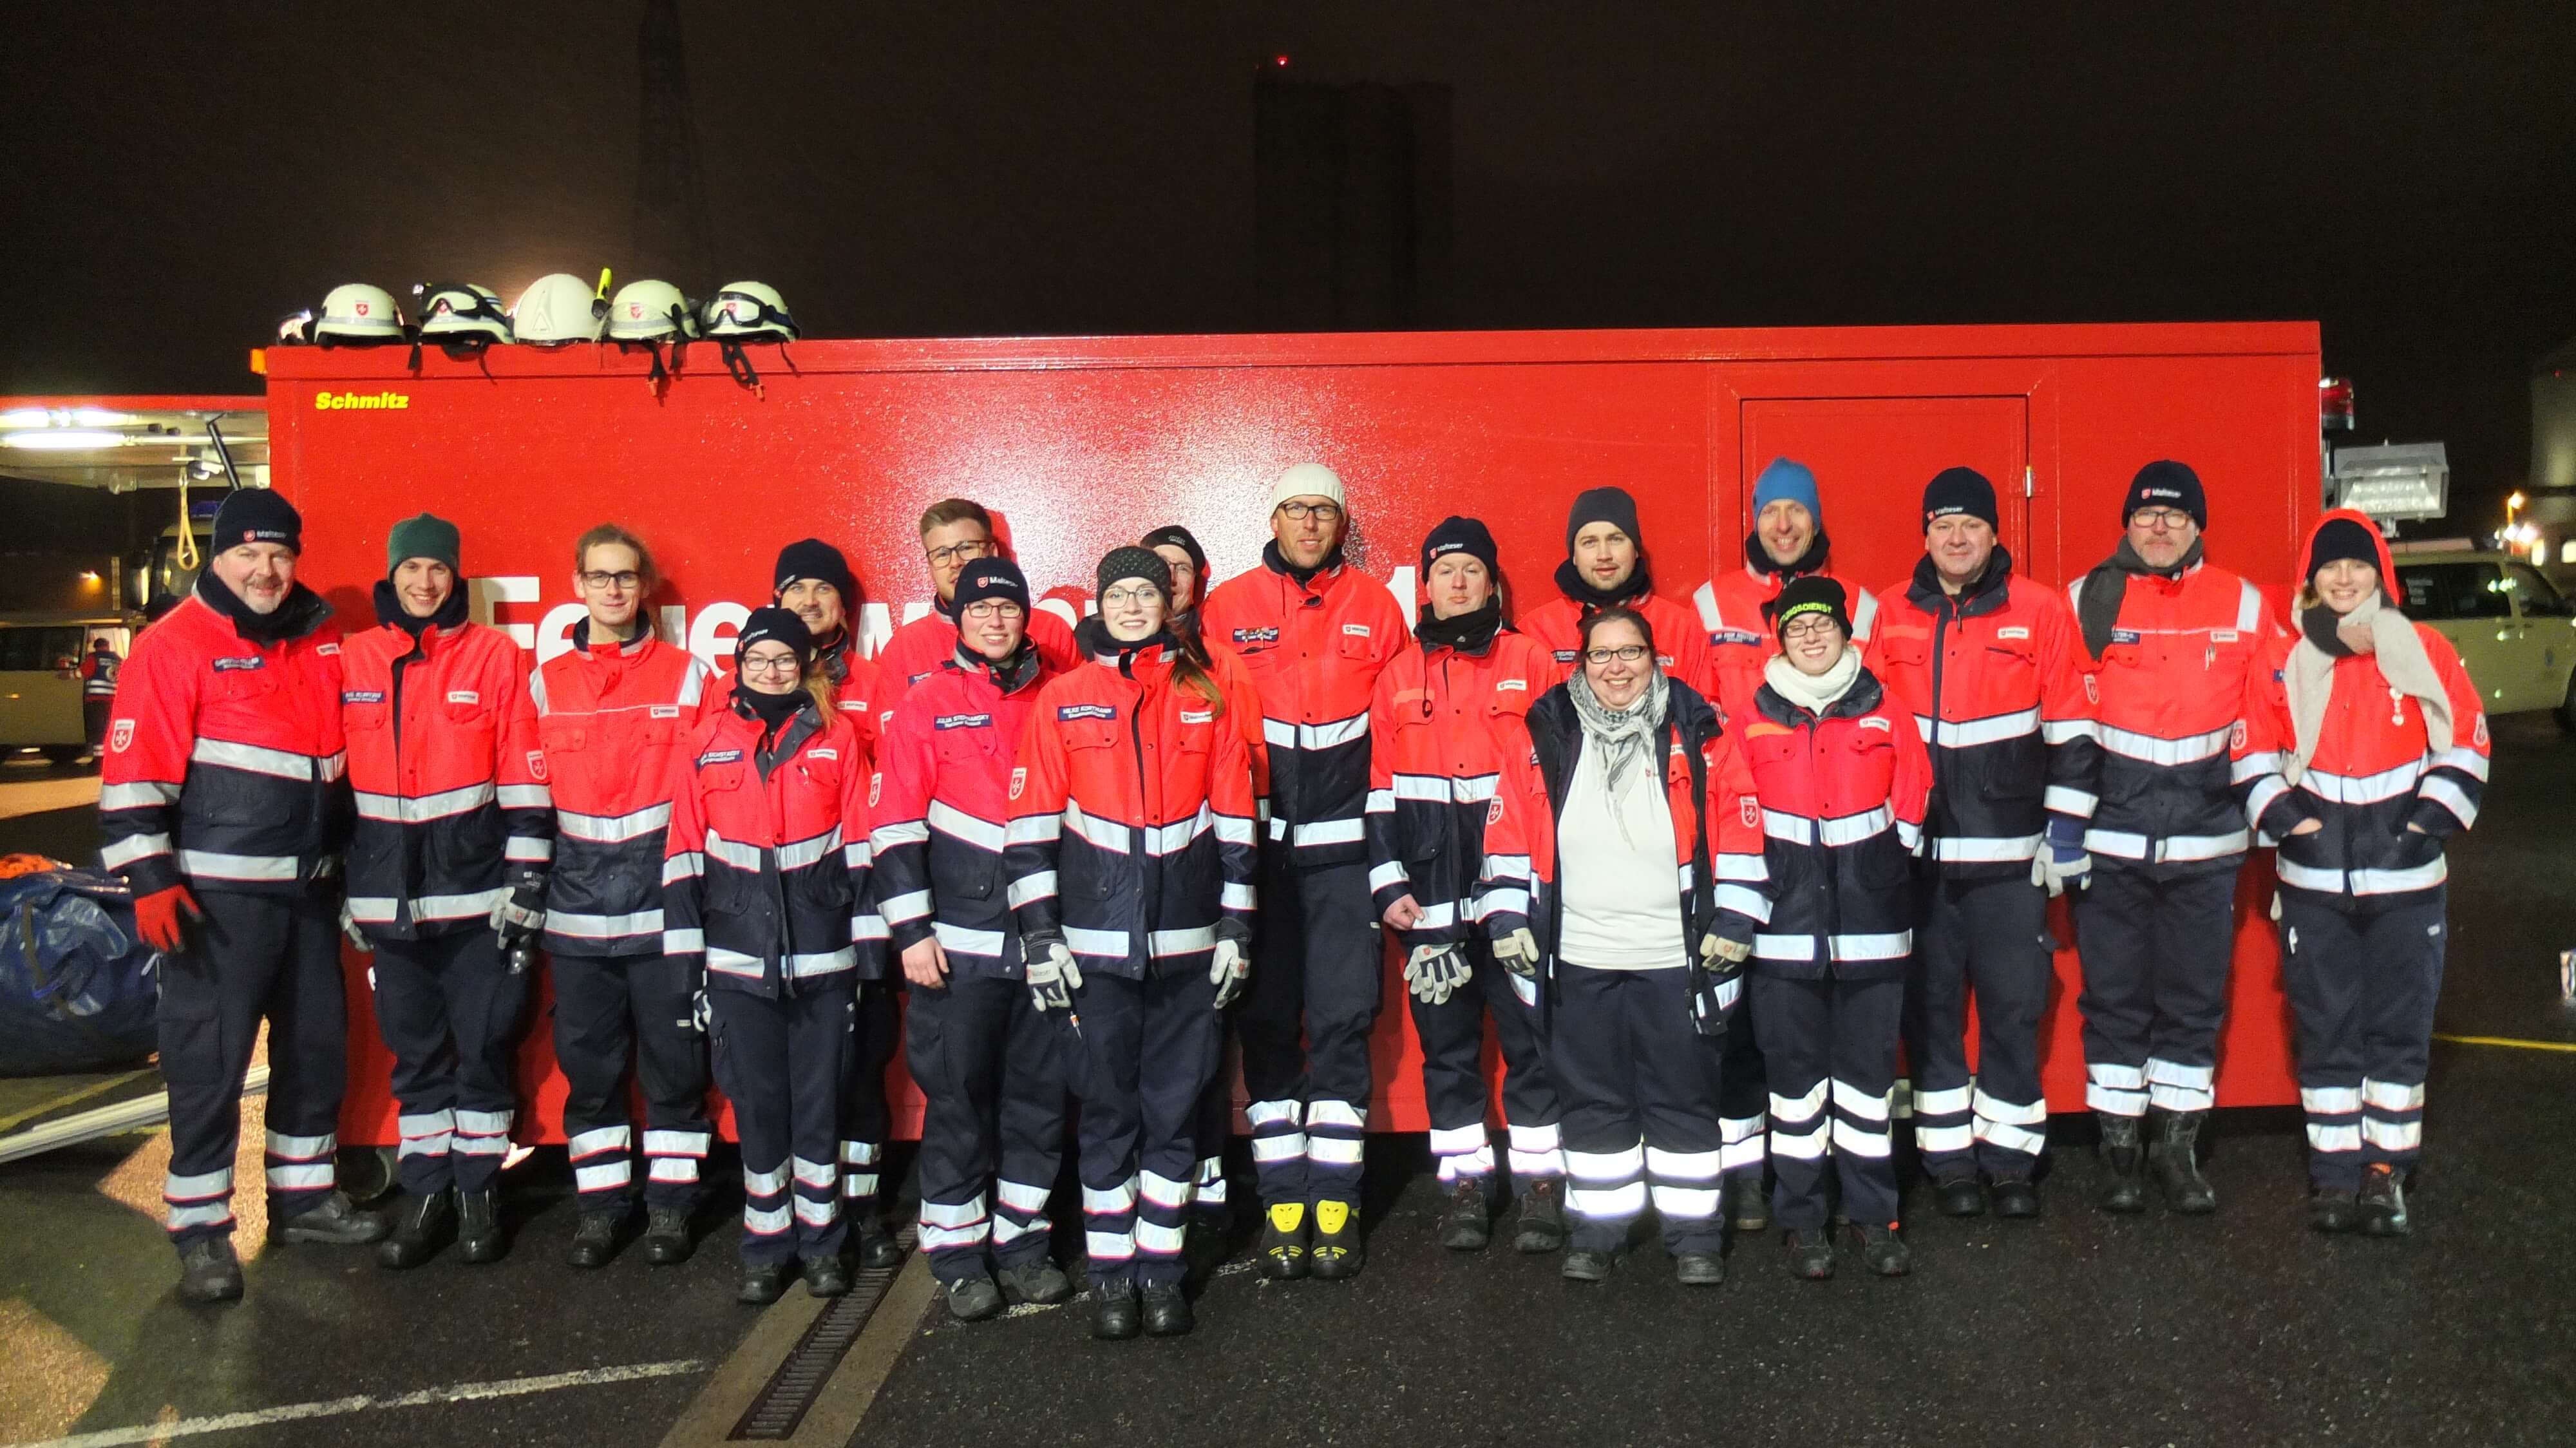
pixel 791 1391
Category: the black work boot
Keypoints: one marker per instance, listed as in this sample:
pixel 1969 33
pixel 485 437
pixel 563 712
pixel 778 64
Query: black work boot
pixel 1880 1248
pixel 1041 1282
pixel 762 1283
pixel 1167 1310
pixel 2016 1196
pixel 1336 1249
pixel 1699 1269
pixel 335 1221
pixel 2383 1201
pixel 666 1236
pixel 1811 1254
pixel 478 1226
pixel 972 1299
pixel 1283 1241
pixel 2126 1160
pixel 1114 1311
pixel 2333 1209
pixel 1539 1226
pixel 872 1247
pixel 1965 1197
pixel 594 1239
pixel 1470 1223
pixel 208 1270
pixel 2176 1154
pixel 826 1276
pixel 1746 1207
pixel 1585 1265
pixel 422 1225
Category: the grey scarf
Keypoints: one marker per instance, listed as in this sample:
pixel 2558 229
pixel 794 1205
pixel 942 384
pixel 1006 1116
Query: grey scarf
pixel 1624 736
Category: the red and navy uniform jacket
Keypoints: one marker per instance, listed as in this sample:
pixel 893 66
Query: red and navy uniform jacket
pixel 453 803
pixel 918 649
pixel 943 807
pixel 1681 646
pixel 1717 827
pixel 1314 651
pixel 610 716
pixel 1740 639
pixel 2172 684
pixel 1995 684
pixel 1842 816
pixel 767 871
pixel 854 688
pixel 98 675
pixel 1446 728
pixel 1131 820
pixel 224 757
pixel 2372 776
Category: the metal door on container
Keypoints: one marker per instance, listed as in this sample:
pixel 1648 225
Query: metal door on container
pixel 1871 457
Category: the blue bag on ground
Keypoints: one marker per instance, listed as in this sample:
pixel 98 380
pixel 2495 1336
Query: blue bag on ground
pixel 77 985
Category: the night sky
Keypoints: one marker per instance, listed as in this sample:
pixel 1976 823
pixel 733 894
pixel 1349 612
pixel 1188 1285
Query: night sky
pixel 180 176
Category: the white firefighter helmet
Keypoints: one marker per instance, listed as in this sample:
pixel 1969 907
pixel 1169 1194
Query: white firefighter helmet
pixel 650 311
pixel 558 307
pixel 461 314
pixel 749 312
pixel 356 313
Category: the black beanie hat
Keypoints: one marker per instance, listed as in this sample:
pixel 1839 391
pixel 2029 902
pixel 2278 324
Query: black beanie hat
pixel 1810 593
pixel 1173 535
pixel 777 625
pixel 256 515
pixel 813 558
pixel 1130 561
pixel 2339 538
pixel 2166 484
pixel 1959 490
pixel 1459 535
pixel 1602 505
pixel 991 578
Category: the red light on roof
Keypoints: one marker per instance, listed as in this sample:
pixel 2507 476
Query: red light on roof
pixel 1281 61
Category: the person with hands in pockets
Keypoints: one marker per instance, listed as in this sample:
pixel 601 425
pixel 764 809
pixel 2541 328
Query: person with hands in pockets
pixel 1843 778
pixel 1131 862
pixel 1447 728
pixel 766 885
pixel 990 1073
pixel 447 880
pixel 1643 804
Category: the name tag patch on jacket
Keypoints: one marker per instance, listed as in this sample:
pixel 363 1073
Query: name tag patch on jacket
pixel 1069 712
pixel 1728 636
pixel 362 696
pixel 1505 686
pixel 2129 635
pixel 328 650
pixel 831 754
pixel 2222 635
pixel 1564 656
pixel 719 756
pixel 464 696
pixel 1360 629
pixel 1256 635
pixel 1877 722
pixel 227 666
pixel 962 721
pixel 665 711
pixel 2013 631
pixel 1201 717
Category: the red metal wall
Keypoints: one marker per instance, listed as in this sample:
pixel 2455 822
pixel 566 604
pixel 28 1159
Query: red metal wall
pixel 1085 443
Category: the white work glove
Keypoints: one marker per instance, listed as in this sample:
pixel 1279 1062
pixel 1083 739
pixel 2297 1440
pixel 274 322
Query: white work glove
pixel 510 918
pixel 1053 977
pixel 349 927
pixel 1435 972
pixel 1733 952
pixel 1227 971
pixel 1518 953
pixel 701 1014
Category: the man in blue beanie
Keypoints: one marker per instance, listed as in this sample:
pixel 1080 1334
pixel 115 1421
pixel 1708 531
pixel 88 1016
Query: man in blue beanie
pixel 1787 542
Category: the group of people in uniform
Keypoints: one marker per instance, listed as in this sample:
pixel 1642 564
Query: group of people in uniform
pixel 1715 874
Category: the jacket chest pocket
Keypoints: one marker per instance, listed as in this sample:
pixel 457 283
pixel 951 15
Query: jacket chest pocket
pixel 365 718
pixel 2015 657
pixel 726 778
pixel 469 721
pixel 558 735
pixel 1867 764
pixel 1906 650
pixel 966 748
pixel 1357 646
pixel 245 686
pixel 1088 733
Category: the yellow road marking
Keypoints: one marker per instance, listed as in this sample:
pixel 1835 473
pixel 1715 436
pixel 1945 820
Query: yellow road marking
pixel 2567 1046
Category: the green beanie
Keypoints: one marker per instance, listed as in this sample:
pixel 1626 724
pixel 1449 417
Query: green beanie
pixel 427 536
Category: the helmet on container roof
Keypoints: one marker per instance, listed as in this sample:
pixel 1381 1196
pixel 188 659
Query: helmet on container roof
pixel 750 312
pixel 356 314
pixel 650 311
pixel 558 307
pixel 461 314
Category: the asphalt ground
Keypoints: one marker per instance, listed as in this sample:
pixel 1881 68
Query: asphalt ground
pixel 2077 1328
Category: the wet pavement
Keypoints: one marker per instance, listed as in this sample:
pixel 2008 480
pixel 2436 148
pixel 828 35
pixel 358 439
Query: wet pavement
pixel 2077 1328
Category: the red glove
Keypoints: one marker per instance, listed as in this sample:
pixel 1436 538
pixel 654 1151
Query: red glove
pixel 157 916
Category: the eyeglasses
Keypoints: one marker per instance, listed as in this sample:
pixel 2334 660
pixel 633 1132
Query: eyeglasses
pixel 2168 520
pixel 1625 653
pixel 984 610
pixel 770 664
pixel 602 582
pixel 1321 512
pixel 966 552
pixel 1807 628
pixel 1125 597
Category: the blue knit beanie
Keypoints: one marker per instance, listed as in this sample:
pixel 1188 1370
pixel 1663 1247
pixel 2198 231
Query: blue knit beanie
pixel 1790 479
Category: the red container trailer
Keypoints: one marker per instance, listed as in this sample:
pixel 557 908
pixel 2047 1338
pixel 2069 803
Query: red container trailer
pixel 1083 443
